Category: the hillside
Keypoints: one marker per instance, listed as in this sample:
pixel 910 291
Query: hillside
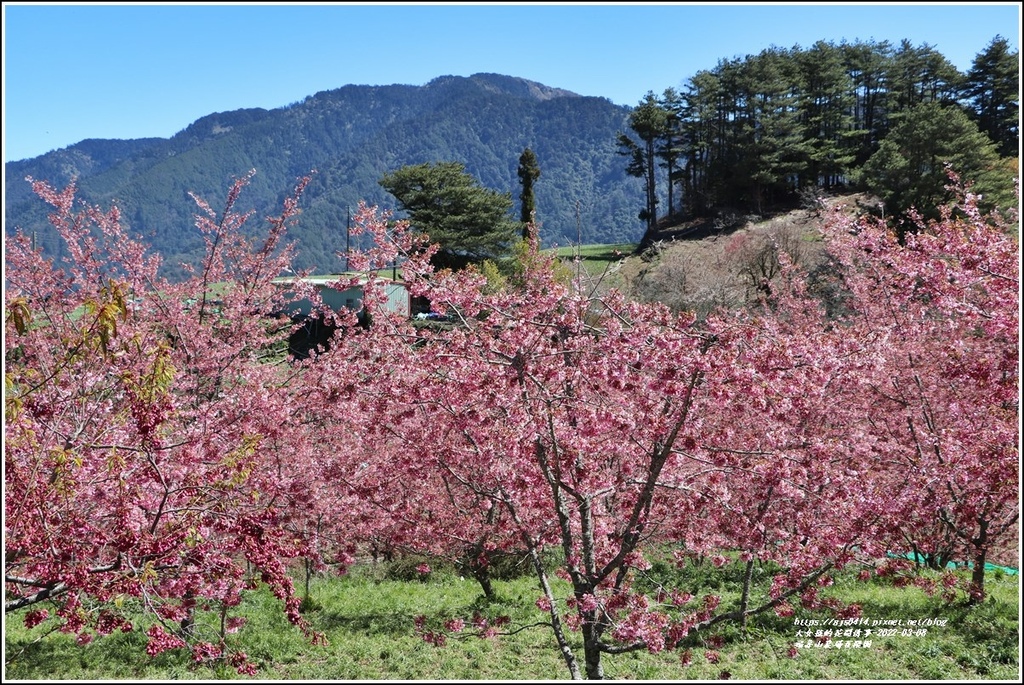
pixel 351 137
pixel 700 264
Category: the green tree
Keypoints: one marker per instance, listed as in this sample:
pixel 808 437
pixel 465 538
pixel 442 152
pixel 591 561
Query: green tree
pixel 867 65
pixel 702 139
pixel 529 172
pixel 768 149
pixel 921 74
pixel 468 222
pixel 993 90
pixel 670 150
pixel 825 104
pixel 909 169
pixel 648 121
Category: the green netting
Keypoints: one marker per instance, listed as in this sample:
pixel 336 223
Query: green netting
pixel 917 558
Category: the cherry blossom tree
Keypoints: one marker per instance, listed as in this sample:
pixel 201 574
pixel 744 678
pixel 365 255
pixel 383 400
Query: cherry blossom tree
pixel 554 416
pixel 602 426
pixel 159 444
pixel 784 482
pixel 939 320
pixel 151 431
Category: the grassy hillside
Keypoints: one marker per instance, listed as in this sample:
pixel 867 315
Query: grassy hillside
pixel 596 258
pixel 702 264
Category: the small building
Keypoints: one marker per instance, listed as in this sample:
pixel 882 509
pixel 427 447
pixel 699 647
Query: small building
pixel 398 300
pixel 314 333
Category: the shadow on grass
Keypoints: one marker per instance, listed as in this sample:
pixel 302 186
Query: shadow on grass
pixel 117 654
pixel 402 622
pixel 392 623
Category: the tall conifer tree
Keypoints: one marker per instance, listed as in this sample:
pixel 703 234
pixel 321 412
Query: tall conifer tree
pixel 529 172
pixel 648 121
pixel 993 89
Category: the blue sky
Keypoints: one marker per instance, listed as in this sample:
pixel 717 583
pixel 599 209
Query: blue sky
pixel 93 70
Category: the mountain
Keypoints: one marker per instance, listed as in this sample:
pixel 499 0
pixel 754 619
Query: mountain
pixel 351 137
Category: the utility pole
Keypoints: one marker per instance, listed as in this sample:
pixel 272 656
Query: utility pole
pixel 348 233
pixel 394 262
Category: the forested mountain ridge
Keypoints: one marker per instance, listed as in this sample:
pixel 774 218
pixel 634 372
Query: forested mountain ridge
pixel 351 137
pixel 750 136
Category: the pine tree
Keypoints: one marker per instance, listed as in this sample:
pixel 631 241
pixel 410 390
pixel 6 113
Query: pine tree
pixel 468 222
pixel 670 151
pixel 825 104
pixel 909 170
pixel 648 121
pixel 771 145
pixel 701 139
pixel 529 172
pixel 867 66
pixel 993 90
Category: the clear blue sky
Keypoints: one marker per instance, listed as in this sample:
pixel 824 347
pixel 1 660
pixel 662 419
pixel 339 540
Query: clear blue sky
pixel 90 70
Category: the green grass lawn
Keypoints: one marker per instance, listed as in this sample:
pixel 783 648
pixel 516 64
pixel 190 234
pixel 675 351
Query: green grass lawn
pixel 368 619
pixel 596 258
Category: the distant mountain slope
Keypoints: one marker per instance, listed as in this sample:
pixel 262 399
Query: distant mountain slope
pixel 352 136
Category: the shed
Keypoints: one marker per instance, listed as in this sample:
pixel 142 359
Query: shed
pixel 398 300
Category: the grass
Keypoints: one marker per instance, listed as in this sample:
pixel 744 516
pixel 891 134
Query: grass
pixel 368 618
pixel 596 258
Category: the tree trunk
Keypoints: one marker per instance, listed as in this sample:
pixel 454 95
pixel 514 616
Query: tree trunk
pixel 309 573
pixel 480 572
pixel 980 555
pixel 591 651
pixel 556 624
pixel 652 193
pixel 745 598
pixel 484 578
pixel 188 623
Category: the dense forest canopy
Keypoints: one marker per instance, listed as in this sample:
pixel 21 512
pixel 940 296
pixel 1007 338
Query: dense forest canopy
pixel 760 131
